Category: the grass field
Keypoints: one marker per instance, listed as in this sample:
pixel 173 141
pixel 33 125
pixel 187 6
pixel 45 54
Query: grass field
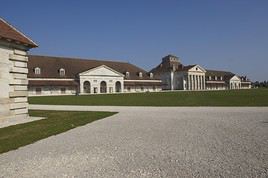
pixel 13 137
pixel 254 97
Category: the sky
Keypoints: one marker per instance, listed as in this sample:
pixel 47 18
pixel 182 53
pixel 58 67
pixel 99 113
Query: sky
pixel 229 35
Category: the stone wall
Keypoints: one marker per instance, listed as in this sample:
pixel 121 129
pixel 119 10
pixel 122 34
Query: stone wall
pixel 13 83
pixel 50 91
pixel 135 89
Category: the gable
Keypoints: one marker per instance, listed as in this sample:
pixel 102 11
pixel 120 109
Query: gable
pixel 197 68
pixel 235 78
pixel 10 33
pixel 102 71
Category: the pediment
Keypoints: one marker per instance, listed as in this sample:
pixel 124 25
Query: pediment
pixel 102 70
pixel 235 78
pixel 197 68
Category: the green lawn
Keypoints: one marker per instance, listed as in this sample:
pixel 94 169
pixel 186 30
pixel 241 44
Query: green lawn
pixel 253 97
pixel 13 137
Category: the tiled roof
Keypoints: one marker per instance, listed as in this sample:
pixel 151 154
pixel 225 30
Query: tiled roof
pixel 226 76
pixel 163 68
pixel 52 83
pixel 73 66
pixel 127 83
pixel 186 68
pixel 11 34
pixel 218 73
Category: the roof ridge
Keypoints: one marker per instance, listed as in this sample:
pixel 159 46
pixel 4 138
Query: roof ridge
pixel 77 58
pixel 218 71
pixel 18 31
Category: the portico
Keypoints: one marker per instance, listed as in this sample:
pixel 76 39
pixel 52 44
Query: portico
pixel 101 79
pixel 194 78
pixel 195 82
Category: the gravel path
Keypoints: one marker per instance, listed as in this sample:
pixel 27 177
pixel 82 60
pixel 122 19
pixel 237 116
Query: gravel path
pixel 151 142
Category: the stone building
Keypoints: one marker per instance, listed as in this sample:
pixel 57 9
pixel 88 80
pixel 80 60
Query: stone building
pixel 176 76
pixel 64 76
pixel 13 72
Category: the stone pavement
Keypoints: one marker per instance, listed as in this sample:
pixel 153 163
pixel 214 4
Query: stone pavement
pixel 151 142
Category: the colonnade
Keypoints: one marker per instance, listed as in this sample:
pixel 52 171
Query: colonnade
pixel 195 82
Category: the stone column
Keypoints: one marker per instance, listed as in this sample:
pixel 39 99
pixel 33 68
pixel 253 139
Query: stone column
pixel 81 86
pixel 188 82
pixel 192 82
pixel 195 82
pixel 198 82
pixel 202 80
pixel 171 80
pixel 189 87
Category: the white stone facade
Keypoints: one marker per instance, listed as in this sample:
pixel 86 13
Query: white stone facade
pixel 101 80
pixel 176 76
pixel 51 90
pixel 192 79
pixel 98 80
pixel 13 83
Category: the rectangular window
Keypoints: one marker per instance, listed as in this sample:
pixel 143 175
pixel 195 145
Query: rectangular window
pixel 142 88
pixel 38 91
pixel 63 90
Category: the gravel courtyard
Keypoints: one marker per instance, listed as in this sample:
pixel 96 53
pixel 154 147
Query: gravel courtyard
pixel 151 142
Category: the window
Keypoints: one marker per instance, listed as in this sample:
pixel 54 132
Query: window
pixel 110 89
pixel 154 88
pixel 151 75
pixel 209 78
pixel 221 78
pixel 63 90
pixel 216 78
pixel 127 74
pixel 196 68
pixel 62 72
pixel 142 88
pixel 37 71
pixel 38 91
pixel 128 89
pixel 95 81
pixel 140 74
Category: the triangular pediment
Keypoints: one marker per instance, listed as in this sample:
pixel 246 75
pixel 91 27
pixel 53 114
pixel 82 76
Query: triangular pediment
pixel 102 70
pixel 197 68
pixel 235 78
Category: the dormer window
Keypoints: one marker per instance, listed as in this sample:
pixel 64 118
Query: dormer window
pixel 209 77
pixel 140 74
pixel 127 74
pixel 216 78
pixel 62 72
pixel 221 78
pixel 37 71
pixel 151 75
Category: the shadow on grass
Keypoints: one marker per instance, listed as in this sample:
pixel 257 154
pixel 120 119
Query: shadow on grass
pixel 56 122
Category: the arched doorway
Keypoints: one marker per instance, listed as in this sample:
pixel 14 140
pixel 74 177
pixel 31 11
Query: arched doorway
pixel 87 87
pixel 103 87
pixel 118 87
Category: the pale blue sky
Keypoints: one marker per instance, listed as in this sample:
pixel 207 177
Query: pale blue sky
pixel 217 34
